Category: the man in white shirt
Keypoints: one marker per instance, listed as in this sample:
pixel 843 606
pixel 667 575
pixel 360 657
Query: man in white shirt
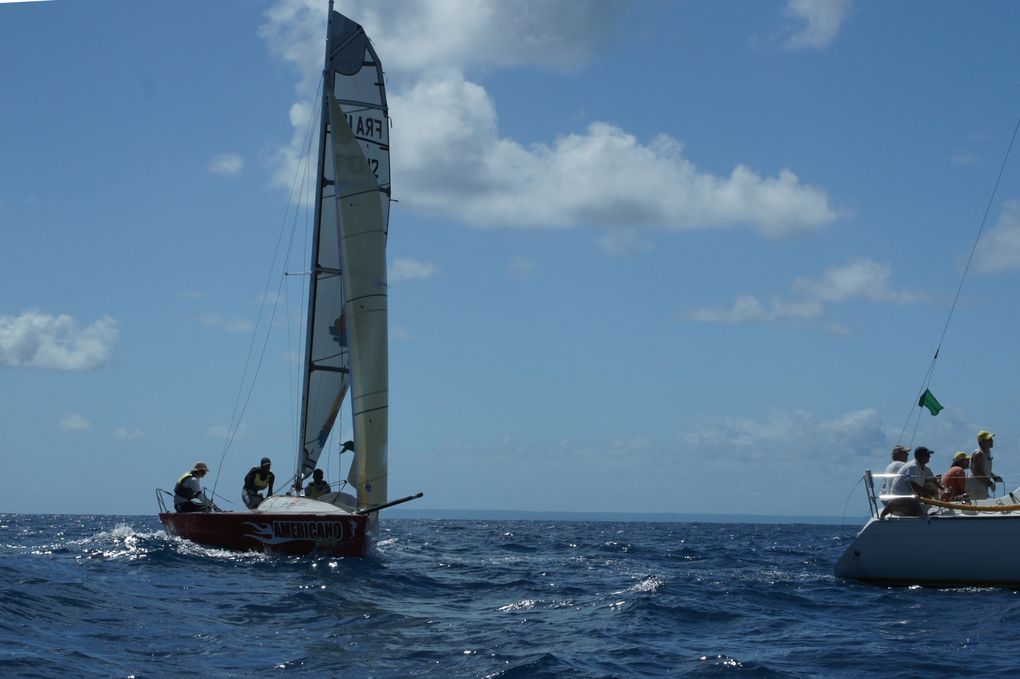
pixel 982 479
pixel 900 455
pixel 910 480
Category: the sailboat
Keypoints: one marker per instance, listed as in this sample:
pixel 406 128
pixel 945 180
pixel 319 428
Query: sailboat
pixel 346 345
pixel 969 542
pixel 954 544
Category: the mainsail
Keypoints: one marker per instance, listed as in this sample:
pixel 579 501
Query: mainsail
pixel 347 306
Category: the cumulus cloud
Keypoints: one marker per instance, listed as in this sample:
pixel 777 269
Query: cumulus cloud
pixel 767 448
pixel 858 279
pixel 406 269
pixel 600 176
pixel 226 164
pixel 74 422
pixel 38 340
pixel 822 21
pixel 999 249
pixel 862 278
pixel 792 435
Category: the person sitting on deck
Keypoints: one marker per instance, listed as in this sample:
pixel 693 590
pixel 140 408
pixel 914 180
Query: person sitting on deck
pixel 900 455
pixel 188 493
pixel 318 487
pixel 911 479
pixel 954 481
pixel 256 480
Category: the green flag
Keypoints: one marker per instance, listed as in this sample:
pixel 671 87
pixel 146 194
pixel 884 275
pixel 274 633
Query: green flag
pixel 929 401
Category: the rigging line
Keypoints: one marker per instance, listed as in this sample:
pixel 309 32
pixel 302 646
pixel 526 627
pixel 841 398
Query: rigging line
pixel 233 426
pixel 963 278
pixel 973 249
pixel 311 199
pixel 302 197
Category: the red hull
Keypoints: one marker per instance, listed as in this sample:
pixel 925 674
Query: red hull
pixel 286 533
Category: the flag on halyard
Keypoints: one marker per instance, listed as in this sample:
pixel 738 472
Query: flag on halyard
pixel 929 401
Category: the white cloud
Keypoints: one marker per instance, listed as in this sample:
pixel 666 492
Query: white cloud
pixel 215 320
pixel 405 269
pixel 770 450
pixel 412 35
pixel 859 279
pixel 37 340
pixel 226 164
pixel 999 249
pixel 749 309
pixel 601 176
pixel 822 18
pixel 126 434
pixel 74 422
pixel 792 435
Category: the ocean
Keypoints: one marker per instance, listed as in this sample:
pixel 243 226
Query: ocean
pixel 111 596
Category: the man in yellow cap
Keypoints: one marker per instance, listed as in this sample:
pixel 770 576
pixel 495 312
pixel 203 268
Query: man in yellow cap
pixel 982 479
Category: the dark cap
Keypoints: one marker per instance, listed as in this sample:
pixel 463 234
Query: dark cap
pixel 921 450
pixel 266 462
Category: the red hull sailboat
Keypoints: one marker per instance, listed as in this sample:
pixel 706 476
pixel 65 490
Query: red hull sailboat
pixel 346 340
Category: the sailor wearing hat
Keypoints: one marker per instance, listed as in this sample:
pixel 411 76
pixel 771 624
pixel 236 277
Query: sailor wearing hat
pixel 256 480
pixel 188 493
pixel 982 480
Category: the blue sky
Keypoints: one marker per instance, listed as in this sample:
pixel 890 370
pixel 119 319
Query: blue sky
pixel 647 256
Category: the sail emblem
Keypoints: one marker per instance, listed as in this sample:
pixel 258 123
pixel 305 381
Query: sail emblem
pixel 338 331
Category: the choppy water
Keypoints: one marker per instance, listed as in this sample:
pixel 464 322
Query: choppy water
pixel 114 596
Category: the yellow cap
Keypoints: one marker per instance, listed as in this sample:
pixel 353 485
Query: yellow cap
pixel 985 436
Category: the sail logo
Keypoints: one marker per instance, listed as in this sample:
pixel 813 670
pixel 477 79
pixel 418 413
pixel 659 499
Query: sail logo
pixel 363 126
pixel 279 532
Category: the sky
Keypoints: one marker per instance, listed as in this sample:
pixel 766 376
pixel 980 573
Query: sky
pixel 646 256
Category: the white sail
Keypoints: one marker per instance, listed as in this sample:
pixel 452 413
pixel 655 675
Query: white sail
pixel 347 336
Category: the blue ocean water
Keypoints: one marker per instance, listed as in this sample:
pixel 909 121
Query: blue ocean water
pixel 114 596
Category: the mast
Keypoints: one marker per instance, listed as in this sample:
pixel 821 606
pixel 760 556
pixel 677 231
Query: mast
pixel 326 360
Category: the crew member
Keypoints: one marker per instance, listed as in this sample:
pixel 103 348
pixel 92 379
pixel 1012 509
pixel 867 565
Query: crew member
pixel 188 493
pixel 318 487
pixel 255 481
pixel 982 479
